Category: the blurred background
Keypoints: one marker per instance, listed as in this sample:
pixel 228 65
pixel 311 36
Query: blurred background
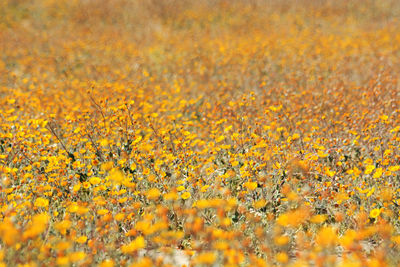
pixel 211 45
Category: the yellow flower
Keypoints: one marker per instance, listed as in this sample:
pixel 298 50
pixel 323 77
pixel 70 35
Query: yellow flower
pixel 94 180
pixel 322 154
pixel 62 260
pixel 122 200
pixel 170 196
pixel 282 257
pixel 73 207
pixel 329 172
pixel 204 188
pixel 133 166
pixel 37 226
pixel 205 258
pixel 186 195
pixel 77 256
pixel 116 175
pixel 107 263
pixel 76 187
pixel 281 240
pixel 8 233
pixel 63 226
pixel 133 246
pixel 41 202
pixel 374 213
pixel 396 239
pixel 369 169
pixel 371 191
pixel 86 185
pixel 259 204
pixel 107 166
pixel 326 237
pixel 220 138
pixel 119 217
pixel 318 218
pixel 250 185
pixel 102 211
pixel 378 173
pixel 63 245
pixel 283 219
pixel 180 188
pixel 81 240
pixel 394 168
pixel 104 142
pixel 347 239
pixel 153 193
pixel 143 262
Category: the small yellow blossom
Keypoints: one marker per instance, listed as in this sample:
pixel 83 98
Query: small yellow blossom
pixel 94 180
pixel 180 188
pixel 135 245
pixel 41 202
pixel 77 256
pixel 81 240
pixel 205 258
pixel 374 213
pixel 185 195
pixel 153 193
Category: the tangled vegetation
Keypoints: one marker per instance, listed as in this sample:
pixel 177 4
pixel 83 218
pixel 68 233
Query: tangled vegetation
pixel 199 133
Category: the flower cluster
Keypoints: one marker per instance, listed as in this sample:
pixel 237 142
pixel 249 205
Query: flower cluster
pixel 199 133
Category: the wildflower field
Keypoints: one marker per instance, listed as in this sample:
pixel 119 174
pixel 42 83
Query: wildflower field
pixel 199 133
